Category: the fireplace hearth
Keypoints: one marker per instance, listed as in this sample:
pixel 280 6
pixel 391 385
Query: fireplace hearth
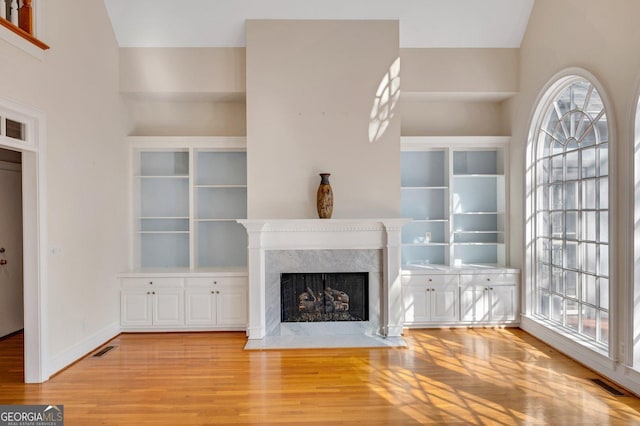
pixel 324 297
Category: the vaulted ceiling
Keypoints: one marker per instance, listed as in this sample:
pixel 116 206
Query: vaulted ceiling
pixel 220 23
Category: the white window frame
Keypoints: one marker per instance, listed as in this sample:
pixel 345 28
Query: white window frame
pixel 564 337
pixel 632 329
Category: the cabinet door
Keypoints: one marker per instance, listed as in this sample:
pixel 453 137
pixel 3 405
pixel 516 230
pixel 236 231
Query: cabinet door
pixel 200 306
pixel 503 303
pixel 168 306
pixel 444 303
pixel 231 305
pixel 474 303
pixel 135 305
pixel 416 301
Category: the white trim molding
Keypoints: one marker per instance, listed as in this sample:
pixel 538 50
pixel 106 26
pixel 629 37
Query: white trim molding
pixel 82 348
pixel 326 234
pixel 34 225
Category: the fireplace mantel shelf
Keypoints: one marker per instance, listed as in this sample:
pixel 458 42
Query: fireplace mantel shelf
pixel 321 225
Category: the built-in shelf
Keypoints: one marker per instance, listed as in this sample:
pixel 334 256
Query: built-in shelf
pixel 454 189
pixel 188 194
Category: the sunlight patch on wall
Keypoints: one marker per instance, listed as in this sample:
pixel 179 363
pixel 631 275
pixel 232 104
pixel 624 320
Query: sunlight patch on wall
pixel 385 102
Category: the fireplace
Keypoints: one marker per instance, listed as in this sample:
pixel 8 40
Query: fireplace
pixel 283 246
pixel 324 297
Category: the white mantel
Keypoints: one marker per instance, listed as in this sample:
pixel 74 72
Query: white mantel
pixel 326 234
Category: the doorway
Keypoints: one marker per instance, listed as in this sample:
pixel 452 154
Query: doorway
pixel 22 131
pixel 11 281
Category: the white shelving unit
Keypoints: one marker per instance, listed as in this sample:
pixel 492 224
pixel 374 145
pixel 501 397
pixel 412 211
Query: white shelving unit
pixel 454 189
pixel 162 208
pixel 425 195
pixel 221 198
pixel 187 195
pixel 188 253
pixel 454 262
pixel 478 206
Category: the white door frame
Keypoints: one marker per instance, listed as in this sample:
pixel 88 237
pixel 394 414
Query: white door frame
pixel 33 233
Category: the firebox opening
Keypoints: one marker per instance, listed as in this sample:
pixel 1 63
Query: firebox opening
pixel 322 297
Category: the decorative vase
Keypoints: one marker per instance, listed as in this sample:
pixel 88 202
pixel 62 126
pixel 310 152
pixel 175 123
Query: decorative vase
pixel 325 197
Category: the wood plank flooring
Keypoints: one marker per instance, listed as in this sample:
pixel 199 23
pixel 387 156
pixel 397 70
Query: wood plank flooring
pixel 459 376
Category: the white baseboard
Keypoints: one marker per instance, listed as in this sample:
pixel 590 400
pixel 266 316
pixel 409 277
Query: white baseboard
pixel 82 348
pixel 621 374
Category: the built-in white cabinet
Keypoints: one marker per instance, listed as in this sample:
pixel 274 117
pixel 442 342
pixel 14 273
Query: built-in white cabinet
pixel 488 298
pixel 455 191
pixel 448 296
pixel 188 253
pixel 152 302
pixel 187 195
pixel 216 301
pixel 430 298
pixel 181 302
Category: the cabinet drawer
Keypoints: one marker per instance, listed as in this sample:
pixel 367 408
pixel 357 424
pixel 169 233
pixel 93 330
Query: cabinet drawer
pixel 215 281
pixel 480 279
pixel 151 282
pixel 436 279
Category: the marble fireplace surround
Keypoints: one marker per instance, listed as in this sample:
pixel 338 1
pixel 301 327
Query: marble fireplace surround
pixel 324 245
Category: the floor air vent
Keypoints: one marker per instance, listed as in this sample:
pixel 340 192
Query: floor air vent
pixel 608 387
pixel 103 351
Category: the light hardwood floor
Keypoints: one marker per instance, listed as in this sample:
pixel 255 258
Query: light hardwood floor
pixel 475 376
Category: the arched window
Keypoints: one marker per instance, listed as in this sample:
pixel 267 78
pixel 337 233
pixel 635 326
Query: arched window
pixel 569 211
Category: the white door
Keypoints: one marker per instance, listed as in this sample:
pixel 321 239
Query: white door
pixel 11 290
pixel 474 304
pixel 503 301
pixel 416 302
pixel 200 306
pixel 168 306
pixel 232 305
pixel 136 307
pixel 444 303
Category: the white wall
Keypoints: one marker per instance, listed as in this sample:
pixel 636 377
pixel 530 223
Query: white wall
pixel 199 71
pixel 76 86
pixel 603 38
pixel 310 91
pixel 423 116
pixel 457 92
pixel 188 116
pixel 472 71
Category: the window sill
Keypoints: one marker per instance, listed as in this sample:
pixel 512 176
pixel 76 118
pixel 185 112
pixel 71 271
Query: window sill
pixel 21 39
pixel 564 339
